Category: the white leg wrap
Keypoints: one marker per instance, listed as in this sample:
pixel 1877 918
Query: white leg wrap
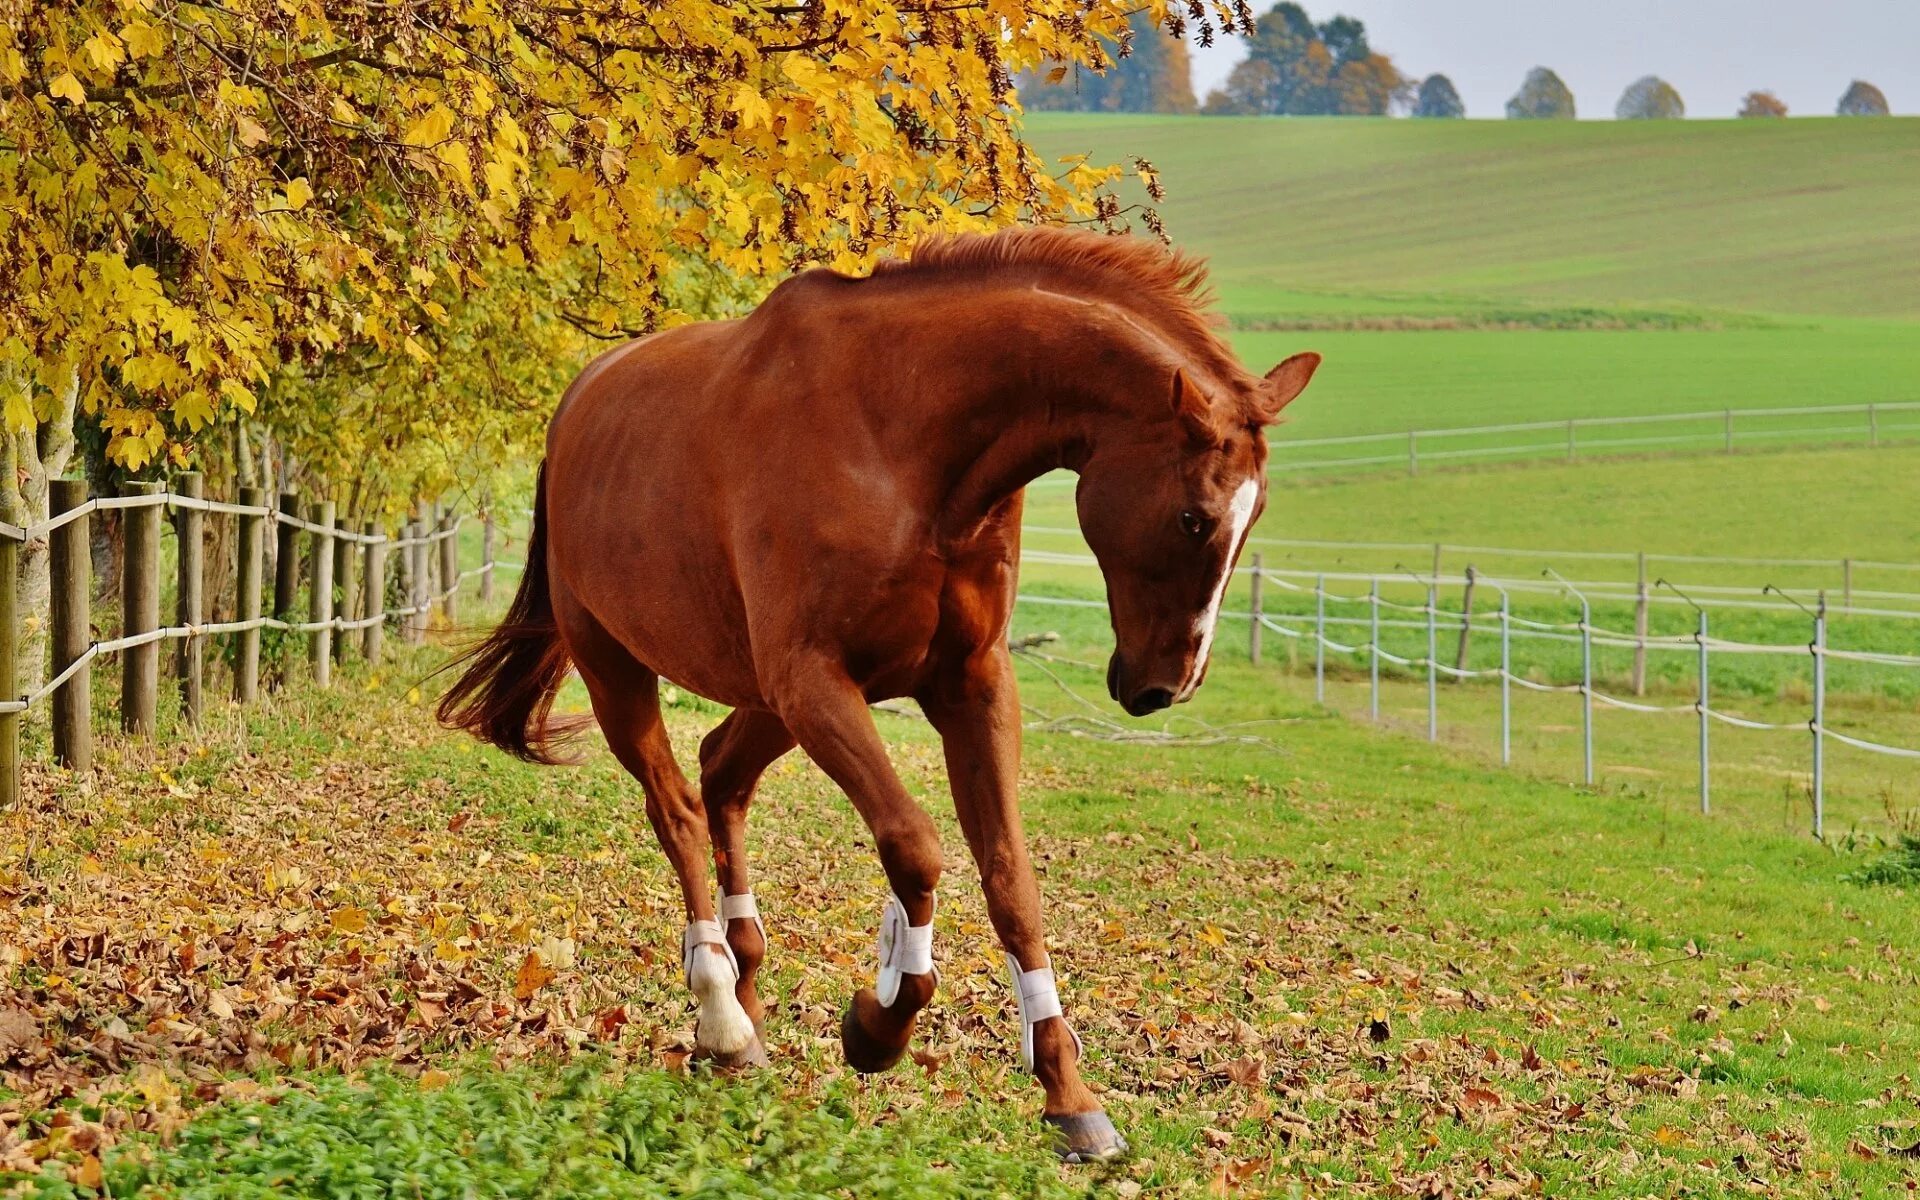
pixel 712 972
pixel 904 950
pixel 742 908
pixel 1039 999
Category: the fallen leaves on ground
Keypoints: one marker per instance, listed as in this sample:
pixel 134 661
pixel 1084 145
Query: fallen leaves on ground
pixel 1306 1026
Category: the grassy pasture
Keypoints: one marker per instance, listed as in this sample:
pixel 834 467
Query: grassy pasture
pixel 1339 961
pixel 1350 218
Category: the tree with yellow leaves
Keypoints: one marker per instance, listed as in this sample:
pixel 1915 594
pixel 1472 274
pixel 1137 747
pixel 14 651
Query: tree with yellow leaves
pixel 206 208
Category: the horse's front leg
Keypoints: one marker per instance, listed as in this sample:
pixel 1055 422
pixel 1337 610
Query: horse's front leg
pixel 829 717
pixel 977 711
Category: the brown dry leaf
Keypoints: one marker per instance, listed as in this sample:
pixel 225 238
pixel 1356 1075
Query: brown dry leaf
pixel 533 975
pixel 1480 1099
pixel 1247 1071
pixel 19 1034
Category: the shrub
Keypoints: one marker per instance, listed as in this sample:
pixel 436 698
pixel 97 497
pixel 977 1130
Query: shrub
pixel 1762 104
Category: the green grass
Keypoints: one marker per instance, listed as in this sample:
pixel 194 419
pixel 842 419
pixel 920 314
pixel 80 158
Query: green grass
pixel 1811 217
pixel 1440 970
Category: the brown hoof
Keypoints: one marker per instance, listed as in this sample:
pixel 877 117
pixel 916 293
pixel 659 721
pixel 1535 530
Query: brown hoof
pixel 1085 1137
pixel 866 1053
pixel 755 1055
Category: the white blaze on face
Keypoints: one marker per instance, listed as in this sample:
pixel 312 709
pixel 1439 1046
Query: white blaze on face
pixel 1239 513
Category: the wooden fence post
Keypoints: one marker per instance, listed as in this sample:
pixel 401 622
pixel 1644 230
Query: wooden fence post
pixel 422 582
pixel 320 592
pixel 70 563
pixel 250 545
pixel 373 602
pixel 190 546
pixel 1466 625
pixel 1640 605
pixel 286 580
pixel 450 566
pixel 486 558
pixel 1253 638
pixel 346 577
pixel 140 612
pixel 9 671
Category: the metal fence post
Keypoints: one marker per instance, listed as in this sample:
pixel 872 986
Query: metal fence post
pixel 71 565
pixel 1706 769
pixel 1846 584
pixel 1373 643
pixel 190 547
pixel 1433 665
pixel 1413 453
pixel 250 543
pixel 1320 640
pixel 1819 724
pixel 1640 606
pixel 140 611
pixel 1873 425
pixel 1253 632
pixel 1586 690
pixel 1572 450
pixel 1729 421
pixel 1506 681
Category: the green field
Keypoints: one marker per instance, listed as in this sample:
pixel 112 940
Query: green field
pixel 1329 959
pixel 1813 218
pixel 319 947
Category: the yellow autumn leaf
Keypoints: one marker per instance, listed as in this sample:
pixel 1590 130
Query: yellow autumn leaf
pixel 67 87
pixel 299 191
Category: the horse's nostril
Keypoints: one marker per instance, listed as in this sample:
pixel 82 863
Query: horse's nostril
pixel 1150 701
pixel 1113 678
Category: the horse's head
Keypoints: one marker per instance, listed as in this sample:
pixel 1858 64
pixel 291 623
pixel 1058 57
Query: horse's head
pixel 1167 513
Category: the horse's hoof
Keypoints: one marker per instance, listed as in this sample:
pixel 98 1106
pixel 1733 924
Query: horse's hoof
pixel 865 1053
pixel 1085 1137
pixel 754 1054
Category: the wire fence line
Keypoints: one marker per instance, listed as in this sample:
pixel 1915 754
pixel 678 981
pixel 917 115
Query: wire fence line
pixel 1381 613
pixel 428 571
pixel 1723 430
pixel 1854 601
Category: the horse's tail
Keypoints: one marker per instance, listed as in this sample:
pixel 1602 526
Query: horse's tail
pixel 508 679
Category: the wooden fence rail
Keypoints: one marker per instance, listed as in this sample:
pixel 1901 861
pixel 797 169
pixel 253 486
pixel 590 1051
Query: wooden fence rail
pixel 338 557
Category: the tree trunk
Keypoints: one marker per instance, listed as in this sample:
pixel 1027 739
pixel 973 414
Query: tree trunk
pixel 32 458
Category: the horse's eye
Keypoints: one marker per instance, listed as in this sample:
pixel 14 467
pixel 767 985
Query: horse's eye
pixel 1193 524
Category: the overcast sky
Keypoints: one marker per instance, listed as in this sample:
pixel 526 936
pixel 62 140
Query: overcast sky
pixel 1713 51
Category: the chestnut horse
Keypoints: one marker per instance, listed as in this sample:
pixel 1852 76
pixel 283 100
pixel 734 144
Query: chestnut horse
pixel 818 506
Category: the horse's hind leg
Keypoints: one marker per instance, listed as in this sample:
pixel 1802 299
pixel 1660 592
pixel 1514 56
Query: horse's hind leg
pixel 732 759
pixel 626 702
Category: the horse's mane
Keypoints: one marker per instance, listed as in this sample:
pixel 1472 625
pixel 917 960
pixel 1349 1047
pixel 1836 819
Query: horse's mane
pixel 1167 287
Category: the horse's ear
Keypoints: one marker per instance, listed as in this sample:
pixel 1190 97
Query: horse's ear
pixel 1196 416
pixel 1285 382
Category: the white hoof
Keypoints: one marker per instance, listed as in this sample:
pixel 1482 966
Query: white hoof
pixel 724 1027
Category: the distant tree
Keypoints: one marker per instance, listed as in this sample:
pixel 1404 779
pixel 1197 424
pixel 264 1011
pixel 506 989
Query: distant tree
pixel 1863 100
pixel 1763 104
pixel 1650 99
pixel 1542 97
pixel 1438 99
pixel 1150 72
pixel 1296 68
